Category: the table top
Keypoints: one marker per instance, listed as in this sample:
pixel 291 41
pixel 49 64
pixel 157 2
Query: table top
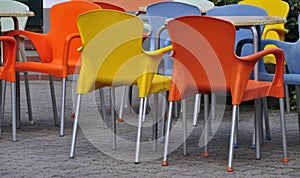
pixel 17 14
pixel 143 9
pixel 253 20
pixel 249 20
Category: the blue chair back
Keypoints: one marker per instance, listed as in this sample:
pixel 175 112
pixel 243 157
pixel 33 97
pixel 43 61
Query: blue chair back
pixel 157 13
pixel 292 59
pixel 240 10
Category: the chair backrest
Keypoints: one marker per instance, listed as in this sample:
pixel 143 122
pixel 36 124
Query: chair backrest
pixel 106 5
pixel 112 51
pixel 157 13
pixel 202 4
pixel 291 54
pixel 63 23
pixel 12 6
pixel 274 8
pixel 204 59
pixel 240 10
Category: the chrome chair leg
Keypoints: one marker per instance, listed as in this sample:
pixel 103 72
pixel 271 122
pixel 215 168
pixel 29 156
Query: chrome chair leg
pixel 297 88
pixel 184 125
pixel 1 108
pixel 283 131
pixel 257 117
pixel 165 155
pixel 120 119
pixel 28 98
pixel 206 114
pixel 139 130
pixel 235 109
pixel 75 125
pixel 113 119
pixel 235 144
pixel 155 123
pixel 103 108
pixel 196 109
pixel 53 100
pixel 63 102
pixel 14 111
pixel 266 117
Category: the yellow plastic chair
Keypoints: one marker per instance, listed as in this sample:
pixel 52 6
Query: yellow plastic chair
pixel 277 31
pixel 112 56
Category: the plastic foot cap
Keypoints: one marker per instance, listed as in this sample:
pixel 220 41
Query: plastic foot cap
pixel 206 154
pixel 120 119
pixel 164 163
pixel 235 145
pixel 162 140
pixel 229 169
pixel 61 135
pixel 285 160
pixel 31 122
pixel 253 146
pixel 136 162
pixel 72 115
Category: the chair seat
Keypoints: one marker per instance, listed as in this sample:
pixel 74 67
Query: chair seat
pixel 160 83
pixel 289 79
pixel 47 68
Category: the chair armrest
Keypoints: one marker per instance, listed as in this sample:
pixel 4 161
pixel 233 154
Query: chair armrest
pixel 67 46
pixel 37 39
pixel 9 57
pixel 160 51
pixel 280 31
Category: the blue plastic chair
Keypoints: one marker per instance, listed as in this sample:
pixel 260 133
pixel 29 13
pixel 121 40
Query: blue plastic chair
pixel 292 59
pixel 157 13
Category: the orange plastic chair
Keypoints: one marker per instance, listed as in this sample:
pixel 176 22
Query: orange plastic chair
pixel 8 73
pixel 118 62
pixel 205 62
pixel 58 48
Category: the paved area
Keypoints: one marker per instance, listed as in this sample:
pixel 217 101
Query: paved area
pixel 40 152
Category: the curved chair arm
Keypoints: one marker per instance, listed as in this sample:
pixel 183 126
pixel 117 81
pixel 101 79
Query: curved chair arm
pixel 160 51
pixel 37 39
pixel 66 50
pixel 279 44
pixel 9 57
pixel 279 56
pixel 280 31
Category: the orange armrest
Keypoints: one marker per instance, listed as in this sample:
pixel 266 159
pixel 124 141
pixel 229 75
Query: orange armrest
pixel 67 45
pixel 9 49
